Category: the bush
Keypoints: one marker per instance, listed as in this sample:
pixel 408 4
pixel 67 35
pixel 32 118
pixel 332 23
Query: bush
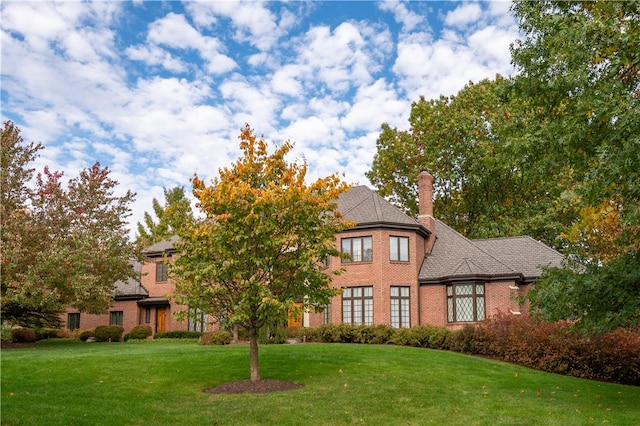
pixel 86 334
pixel 216 338
pixel 180 334
pixel 108 333
pixel 48 333
pixel 23 335
pixel 140 332
pixel 552 347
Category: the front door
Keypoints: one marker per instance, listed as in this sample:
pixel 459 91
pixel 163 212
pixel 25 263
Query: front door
pixel 161 320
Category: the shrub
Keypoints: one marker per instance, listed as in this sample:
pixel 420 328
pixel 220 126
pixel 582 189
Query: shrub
pixel 179 334
pixel 23 335
pixel 108 333
pixel 216 338
pixel 5 333
pixel 85 334
pixel 48 333
pixel 139 332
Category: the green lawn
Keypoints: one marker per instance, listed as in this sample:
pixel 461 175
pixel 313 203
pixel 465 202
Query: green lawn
pixel 147 383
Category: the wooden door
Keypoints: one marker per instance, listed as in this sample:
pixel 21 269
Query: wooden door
pixel 161 320
pixel 295 321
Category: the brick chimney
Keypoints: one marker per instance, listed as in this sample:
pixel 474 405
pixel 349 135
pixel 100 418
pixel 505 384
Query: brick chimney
pixel 425 207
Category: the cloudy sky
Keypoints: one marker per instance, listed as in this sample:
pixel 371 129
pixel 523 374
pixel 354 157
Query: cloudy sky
pixel 158 91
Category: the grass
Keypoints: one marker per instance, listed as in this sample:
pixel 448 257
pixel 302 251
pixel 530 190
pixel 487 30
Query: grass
pixel 161 383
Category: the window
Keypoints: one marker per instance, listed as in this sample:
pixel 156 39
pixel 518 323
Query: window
pixel 197 320
pixel 147 315
pixel 116 318
pixel 359 249
pixel 326 261
pixel 161 271
pixel 357 305
pixel 400 311
pixel 399 249
pixel 73 321
pixel 326 315
pixel 465 302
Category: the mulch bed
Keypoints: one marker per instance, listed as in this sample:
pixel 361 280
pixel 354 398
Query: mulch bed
pixel 258 386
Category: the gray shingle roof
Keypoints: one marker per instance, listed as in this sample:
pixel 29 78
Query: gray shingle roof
pixel 456 257
pixel 131 287
pixel 365 207
pixel 160 247
pixel 523 254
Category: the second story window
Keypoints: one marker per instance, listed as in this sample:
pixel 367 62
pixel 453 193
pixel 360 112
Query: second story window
pixel 162 270
pixel 359 249
pixel 399 249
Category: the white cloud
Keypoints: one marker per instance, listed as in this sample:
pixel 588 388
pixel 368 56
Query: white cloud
pixel 464 15
pixel 407 18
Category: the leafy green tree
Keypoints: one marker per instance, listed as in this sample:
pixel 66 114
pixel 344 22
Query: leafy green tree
pixel 174 215
pixel 489 179
pixel 257 251
pixel 63 245
pixel 579 67
pixel 598 298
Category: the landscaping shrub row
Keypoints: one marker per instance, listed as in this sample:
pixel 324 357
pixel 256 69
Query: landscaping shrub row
pixel 178 335
pixel 611 357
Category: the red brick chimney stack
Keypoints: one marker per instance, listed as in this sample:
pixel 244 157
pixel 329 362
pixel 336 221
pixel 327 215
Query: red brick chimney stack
pixel 425 206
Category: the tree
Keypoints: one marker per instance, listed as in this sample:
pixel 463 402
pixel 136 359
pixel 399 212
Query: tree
pixel 62 246
pixel 579 67
pixel 174 215
pixel 596 298
pixel 490 181
pixel 259 247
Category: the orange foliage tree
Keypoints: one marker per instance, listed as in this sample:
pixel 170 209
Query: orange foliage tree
pixel 258 249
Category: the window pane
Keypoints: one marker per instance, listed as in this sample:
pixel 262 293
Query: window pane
pixel 463 289
pixel 346 248
pixel 393 248
pixel 404 249
pixel 367 249
pixel 450 313
pixel 357 249
pixel 357 311
pixel 368 291
pixel 368 311
pixel 480 308
pixel 479 288
pixel 346 311
pixel 464 309
pixel 395 291
pixel 404 291
pixel 395 313
pixel 405 312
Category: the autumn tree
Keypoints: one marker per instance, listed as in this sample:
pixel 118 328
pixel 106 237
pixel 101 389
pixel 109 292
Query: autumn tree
pixel 258 250
pixel 63 244
pixel 175 214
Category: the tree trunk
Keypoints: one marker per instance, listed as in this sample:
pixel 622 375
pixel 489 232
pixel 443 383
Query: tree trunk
pixel 253 351
pixel 234 330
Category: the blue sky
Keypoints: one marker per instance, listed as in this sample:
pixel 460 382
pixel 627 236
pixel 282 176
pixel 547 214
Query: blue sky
pixel 158 91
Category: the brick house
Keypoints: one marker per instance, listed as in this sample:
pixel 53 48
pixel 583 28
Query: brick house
pixel 401 272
